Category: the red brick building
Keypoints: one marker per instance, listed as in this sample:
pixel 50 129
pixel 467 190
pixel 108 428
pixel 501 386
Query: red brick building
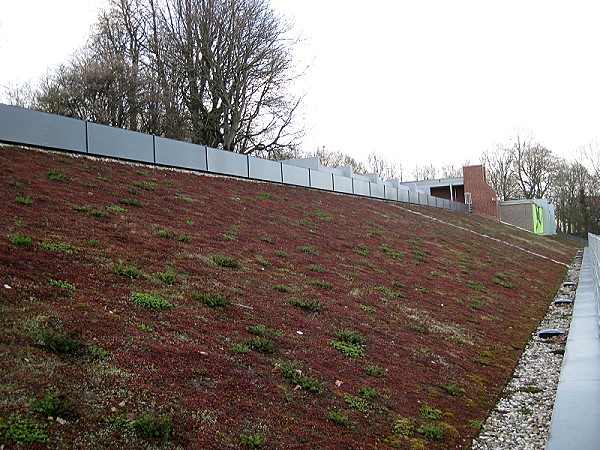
pixel 472 188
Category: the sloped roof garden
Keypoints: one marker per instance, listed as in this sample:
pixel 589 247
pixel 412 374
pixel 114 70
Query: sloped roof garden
pixel 143 306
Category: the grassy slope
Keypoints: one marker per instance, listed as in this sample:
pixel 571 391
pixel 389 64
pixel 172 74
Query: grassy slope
pixel 443 313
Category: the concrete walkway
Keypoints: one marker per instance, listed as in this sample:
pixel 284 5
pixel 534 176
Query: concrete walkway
pixel 575 421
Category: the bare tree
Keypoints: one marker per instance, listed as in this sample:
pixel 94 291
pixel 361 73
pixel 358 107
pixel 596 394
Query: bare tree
pixel 384 168
pixel 337 159
pixel 231 63
pixel 450 171
pixel 214 72
pixel 426 172
pixel 22 95
pixel 499 163
pixel 590 156
pixel 534 167
pixel 570 194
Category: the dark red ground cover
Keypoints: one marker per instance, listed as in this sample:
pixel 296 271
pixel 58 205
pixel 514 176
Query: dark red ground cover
pixel 445 302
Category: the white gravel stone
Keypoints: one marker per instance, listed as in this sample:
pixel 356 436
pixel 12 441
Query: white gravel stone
pixel 521 418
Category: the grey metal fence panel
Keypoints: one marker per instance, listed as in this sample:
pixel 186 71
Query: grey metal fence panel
pixel 264 169
pixel 179 154
pixel 295 175
pixel 321 180
pixel 413 197
pixel 24 126
pixel 391 193
pixel 361 187
pixel 377 190
pixel 403 195
pixel 225 162
pixel 342 184
pixel 118 143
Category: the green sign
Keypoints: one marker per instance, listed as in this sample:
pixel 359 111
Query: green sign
pixel 538 219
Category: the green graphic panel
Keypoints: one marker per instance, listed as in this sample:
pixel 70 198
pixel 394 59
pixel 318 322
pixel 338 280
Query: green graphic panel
pixel 538 219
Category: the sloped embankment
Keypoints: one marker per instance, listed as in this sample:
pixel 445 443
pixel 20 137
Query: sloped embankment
pixel 196 311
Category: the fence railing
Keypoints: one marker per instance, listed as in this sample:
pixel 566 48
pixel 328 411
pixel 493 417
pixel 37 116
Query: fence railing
pixel 594 249
pixel 34 128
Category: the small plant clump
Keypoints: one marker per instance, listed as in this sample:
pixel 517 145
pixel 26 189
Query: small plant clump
pixel 369 392
pixel 130 202
pixel 350 343
pixel 282 288
pixel 184 198
pixel 432 431
pixel 453 390
pixel 394 254
pixel 146 185
pixel 309 305
pixel 53 405
pixel 212 300
pixel 152 426
pixel 56 175
pixel 263 262
pixel 321 284
pixel 166 277
pixel 17 239
pixel 255 440
pixel 60 247
pixel 24 431
pixel 163 234
pixel 116 208
pixel 62 285
pixel 98 213
pixel 150 301
pixel 339 418
pixel 292 370
pixel 362 250
pixel 98 353
pixel 25 201
pixel 477 424
pixel 430 413
pixel 240 348
pixel 262 330
pixel 376 371
pixel 404 426
pixel 360 404
pixel 225 261
pixel 128 271
pixel 260 344
pixel 308 250
pixel 503 280
pixel 61 342
pixel 316 268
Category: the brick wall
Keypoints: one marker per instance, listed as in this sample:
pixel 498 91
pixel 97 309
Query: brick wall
pixel 483 196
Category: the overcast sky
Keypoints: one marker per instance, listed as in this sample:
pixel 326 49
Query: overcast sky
pixel 420 82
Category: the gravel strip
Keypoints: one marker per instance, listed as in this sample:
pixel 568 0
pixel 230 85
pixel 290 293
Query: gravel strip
pixel 521 419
